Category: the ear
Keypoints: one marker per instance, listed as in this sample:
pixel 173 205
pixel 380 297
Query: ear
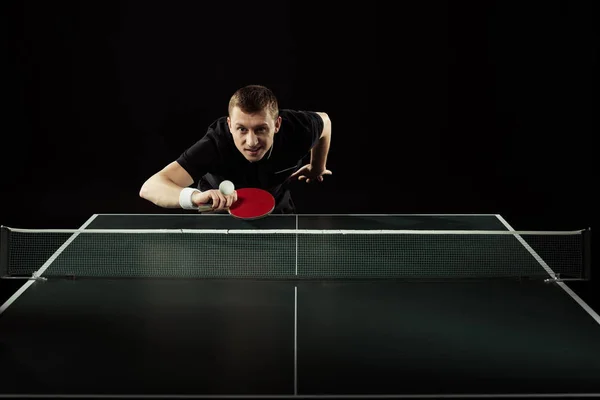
pixel 277 124
pixel 229 123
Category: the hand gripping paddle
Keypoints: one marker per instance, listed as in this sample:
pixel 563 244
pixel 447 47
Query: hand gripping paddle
pixel 251 203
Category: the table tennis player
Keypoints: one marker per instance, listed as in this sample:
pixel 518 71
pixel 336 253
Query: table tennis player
pixel 257 145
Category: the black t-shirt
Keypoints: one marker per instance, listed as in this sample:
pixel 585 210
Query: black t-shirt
pixel 214 158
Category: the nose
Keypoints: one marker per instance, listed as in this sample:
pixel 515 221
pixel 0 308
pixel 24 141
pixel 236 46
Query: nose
pixel 252 139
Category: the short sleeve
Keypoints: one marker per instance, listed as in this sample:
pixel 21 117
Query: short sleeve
pixel 307 127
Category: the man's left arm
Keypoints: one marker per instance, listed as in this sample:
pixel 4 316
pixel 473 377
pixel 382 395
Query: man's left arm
pixel 317 168
pixel 318 154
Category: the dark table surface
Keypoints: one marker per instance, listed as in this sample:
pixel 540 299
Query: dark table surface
pixel 250 335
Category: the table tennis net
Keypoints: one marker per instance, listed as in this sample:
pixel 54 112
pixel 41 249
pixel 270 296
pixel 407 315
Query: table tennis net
pixel 282 254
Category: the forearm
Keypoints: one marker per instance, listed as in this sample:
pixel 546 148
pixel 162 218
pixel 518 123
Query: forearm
pixel 162 191
pixel 318 154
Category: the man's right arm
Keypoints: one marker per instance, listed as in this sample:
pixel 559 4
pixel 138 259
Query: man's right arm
pixel 163 188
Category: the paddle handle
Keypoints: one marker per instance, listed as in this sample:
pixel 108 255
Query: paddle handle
pixel 205 207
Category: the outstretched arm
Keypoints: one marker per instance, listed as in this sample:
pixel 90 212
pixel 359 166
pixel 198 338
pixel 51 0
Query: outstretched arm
pixel 164 188
pixel 318 154
pixel 317 168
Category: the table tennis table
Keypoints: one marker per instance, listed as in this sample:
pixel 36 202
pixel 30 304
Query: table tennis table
pixel 296 305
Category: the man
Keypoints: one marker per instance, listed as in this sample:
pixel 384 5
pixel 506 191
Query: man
pixel 256 145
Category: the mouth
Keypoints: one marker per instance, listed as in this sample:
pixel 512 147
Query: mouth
pixel 254 151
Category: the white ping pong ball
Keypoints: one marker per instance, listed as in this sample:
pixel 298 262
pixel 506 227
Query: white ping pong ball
pixel 226 187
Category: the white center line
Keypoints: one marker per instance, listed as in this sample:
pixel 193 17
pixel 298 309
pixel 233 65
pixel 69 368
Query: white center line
pixel 295 340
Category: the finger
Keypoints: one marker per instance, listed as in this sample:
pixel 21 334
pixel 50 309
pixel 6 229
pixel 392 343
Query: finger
pixel 217 200
pixel 327 172
pixel 320 178
pixel 214 200
pixel 222 201
pixel 229 200
pixel 297 173
pixel 302 177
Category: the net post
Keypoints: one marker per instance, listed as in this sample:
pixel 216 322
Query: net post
pixel 4 243
pixel 587 253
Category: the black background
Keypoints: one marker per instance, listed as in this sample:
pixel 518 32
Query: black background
pixel 437 107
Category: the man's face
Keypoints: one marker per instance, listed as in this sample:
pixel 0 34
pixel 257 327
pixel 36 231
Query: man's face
pixel 253 133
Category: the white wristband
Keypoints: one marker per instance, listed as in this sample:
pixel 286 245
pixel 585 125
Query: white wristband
pixel 185 198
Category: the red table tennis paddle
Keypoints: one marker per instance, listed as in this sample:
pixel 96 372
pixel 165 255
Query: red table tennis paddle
pixel 251 203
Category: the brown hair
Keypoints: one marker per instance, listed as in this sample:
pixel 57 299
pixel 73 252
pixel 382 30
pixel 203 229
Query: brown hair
pixel 254 98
